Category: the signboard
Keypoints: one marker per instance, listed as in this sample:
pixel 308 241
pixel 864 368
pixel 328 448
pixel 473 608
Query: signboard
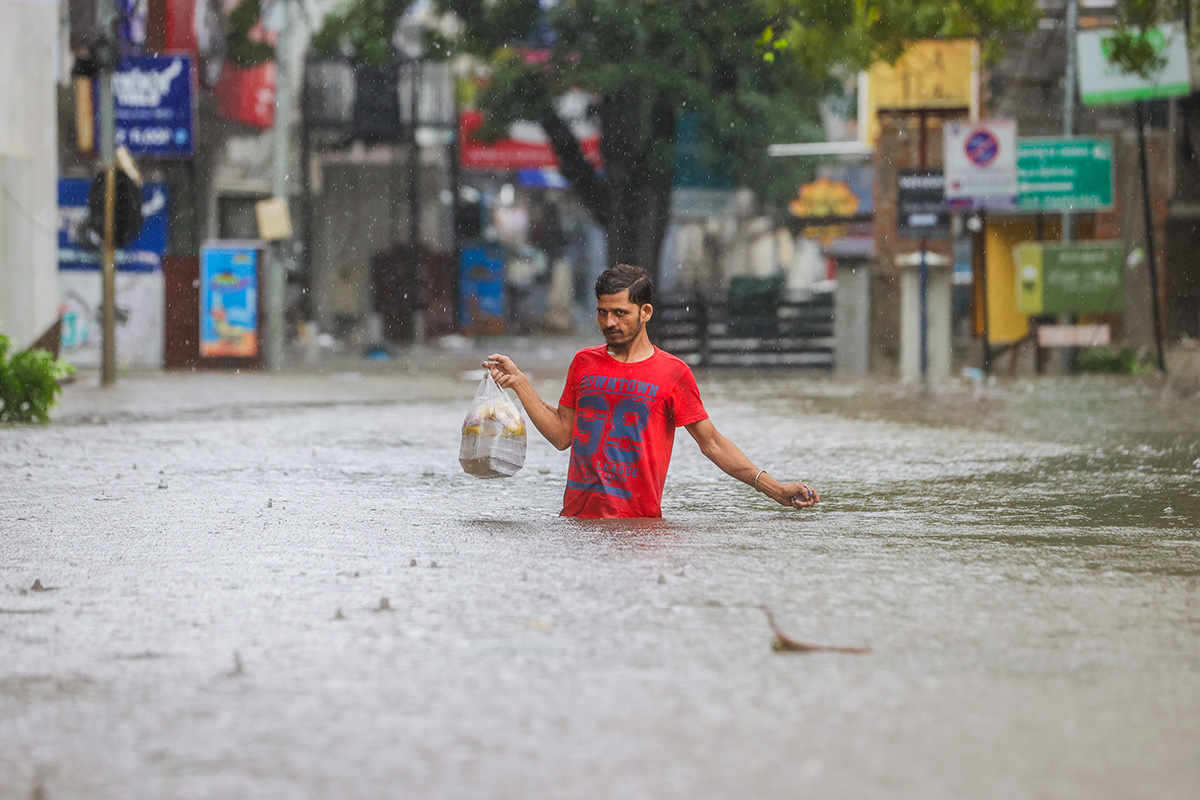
pixel 1083 278
pixel 935 73
pixel 154 104
pixel 526 145
pixel 139 282
pixel 1074 335
pixel 145 252
pixel 229 300
pixel 481 287
pixel 1102 82
pixel 1064 175
pixel 981 164
pixel 921 204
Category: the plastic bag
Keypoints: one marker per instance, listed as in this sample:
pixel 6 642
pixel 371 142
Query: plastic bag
pixel 493 434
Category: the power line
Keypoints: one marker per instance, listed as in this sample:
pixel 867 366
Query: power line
pixel 12 198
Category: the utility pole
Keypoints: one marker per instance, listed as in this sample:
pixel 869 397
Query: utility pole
pixel 415 294
pixel 107 132
pixel 1069 81
pixel 276 263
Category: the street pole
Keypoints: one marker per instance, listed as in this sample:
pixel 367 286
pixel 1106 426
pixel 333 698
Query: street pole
pixel 923 265
pixel 1148 220
pixel 108 153
pixel 276 281
pixel 1069 81
pixel 1068 221
pixel 415 294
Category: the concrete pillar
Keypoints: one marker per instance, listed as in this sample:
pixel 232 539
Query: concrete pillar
pixel 939 312
pixel 852 317
pixel 28 169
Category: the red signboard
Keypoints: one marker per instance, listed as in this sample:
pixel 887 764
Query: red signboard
pixel 527 146
pixel 247 94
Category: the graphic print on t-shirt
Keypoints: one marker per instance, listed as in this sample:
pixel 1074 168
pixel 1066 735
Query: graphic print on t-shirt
pixel 610 417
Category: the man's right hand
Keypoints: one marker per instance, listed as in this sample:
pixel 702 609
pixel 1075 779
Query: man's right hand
pixel 503 370
pixel 555 424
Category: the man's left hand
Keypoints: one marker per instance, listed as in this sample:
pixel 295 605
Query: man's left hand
pixel 797 495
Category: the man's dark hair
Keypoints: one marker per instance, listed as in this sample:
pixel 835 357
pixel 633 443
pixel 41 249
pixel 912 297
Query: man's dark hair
pixel 626 276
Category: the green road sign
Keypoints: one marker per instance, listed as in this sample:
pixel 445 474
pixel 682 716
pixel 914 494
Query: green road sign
pixel 1082 278
pixel 1064 174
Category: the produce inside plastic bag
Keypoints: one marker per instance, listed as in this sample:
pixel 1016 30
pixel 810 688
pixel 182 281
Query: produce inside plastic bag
pixel 493 434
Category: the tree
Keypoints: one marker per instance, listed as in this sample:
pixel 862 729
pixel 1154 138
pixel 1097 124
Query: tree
pixel 751 68
pixel 1131 49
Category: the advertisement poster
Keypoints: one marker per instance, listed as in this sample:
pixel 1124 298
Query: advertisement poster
pixel 139 324
pixel 229 300
pixel 481 282
pixel 75 251
pixel 154 103
pixel 139 282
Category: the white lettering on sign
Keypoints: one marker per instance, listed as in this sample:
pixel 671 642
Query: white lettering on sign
pixel 1074 335
pixel 137 88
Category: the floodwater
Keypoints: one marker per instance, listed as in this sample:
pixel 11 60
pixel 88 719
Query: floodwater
pixel 286 587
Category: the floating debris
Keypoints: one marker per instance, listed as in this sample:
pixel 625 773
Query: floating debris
pixel 339 615
pixel 384 605
pixel 237 665
pixel 37 586
pixel 162 484
pixel 412 563
pixel 784 644
pixel 433 565
pixel 662 579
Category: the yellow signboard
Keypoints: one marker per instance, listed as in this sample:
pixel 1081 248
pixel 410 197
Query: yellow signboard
pixel 933 73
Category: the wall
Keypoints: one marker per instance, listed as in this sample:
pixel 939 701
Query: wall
pixel 28 169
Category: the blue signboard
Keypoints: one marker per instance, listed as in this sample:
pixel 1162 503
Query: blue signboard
pixel 481 289
pixel 154 104
pixel 144 254
pixel 229 300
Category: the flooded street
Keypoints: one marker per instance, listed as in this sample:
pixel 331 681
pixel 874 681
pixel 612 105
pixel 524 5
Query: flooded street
pixel 285 587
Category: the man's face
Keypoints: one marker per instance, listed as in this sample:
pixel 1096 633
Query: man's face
pixel 620 320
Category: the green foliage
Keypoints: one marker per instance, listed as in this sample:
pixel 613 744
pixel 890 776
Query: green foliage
pixel 29 383
pixel 754 71
pixel 361 30
pixel 649 63
pixel 1113 362
pixel 244 51
pixel 1130 47
pixel 852 34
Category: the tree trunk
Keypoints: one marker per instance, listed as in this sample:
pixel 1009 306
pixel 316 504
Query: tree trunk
pixel 637 140
pixel 632 203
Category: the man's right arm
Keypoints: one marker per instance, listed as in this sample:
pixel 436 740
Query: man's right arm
pixel 555 423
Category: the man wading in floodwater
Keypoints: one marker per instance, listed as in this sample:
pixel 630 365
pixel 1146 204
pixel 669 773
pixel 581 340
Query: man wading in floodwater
pixel 619 410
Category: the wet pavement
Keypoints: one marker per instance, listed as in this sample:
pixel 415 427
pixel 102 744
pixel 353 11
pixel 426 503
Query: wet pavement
pixel 284 586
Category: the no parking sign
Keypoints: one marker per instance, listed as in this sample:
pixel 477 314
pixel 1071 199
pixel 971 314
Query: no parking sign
pixel 981 164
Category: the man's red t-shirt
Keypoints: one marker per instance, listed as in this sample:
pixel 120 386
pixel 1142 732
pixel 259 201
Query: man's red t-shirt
pixel 625 420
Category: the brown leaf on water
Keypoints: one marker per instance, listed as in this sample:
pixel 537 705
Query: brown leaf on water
pixel 785 644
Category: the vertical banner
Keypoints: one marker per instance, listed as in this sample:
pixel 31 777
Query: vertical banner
pixel 229 300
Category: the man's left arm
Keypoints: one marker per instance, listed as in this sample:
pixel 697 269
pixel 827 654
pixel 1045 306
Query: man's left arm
pixel 729 457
